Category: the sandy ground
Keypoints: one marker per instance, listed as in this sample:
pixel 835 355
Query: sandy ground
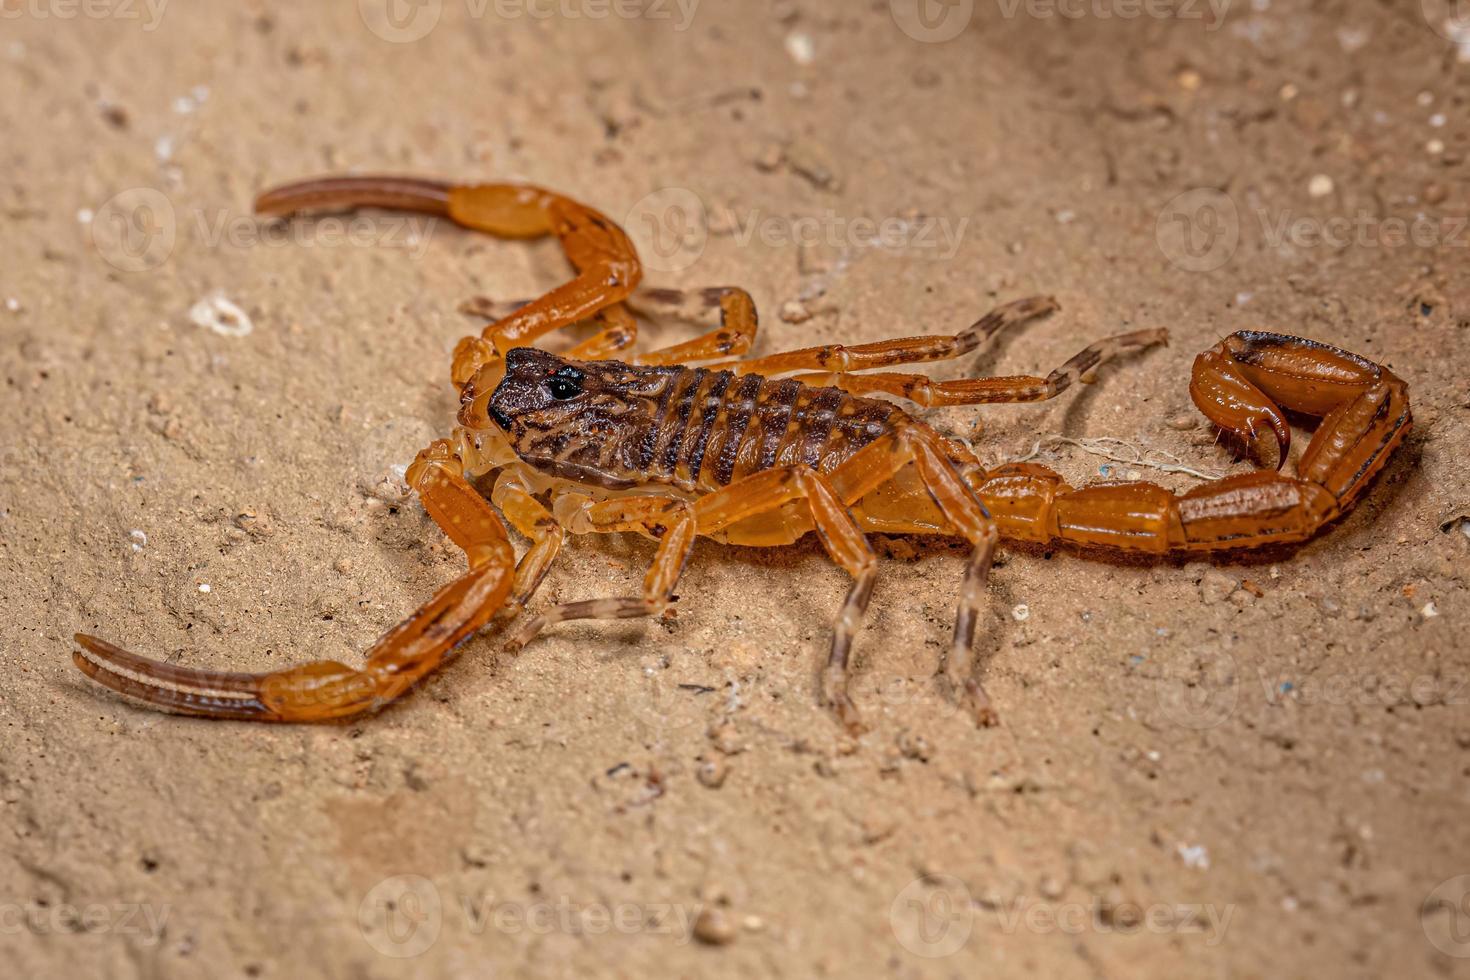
pixel 1248 769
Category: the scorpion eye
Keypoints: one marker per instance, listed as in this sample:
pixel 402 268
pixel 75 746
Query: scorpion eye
pixel 565 384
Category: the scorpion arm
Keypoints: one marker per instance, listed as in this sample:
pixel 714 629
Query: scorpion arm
pixel 607 264
pixel 327 690
pixel 1242 385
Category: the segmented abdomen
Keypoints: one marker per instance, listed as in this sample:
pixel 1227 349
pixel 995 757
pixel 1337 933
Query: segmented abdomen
pixel 714 427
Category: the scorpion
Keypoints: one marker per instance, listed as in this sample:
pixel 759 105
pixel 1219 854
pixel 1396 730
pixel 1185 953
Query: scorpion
pixel 762 451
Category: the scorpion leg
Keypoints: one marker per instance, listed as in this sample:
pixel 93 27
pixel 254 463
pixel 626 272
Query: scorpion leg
pixel 675 524
pixel 1239 385
pixel 735 334
pixel 535 522
pixel 839 359
pixel 877 464
pixel 979 391
pixel 326 690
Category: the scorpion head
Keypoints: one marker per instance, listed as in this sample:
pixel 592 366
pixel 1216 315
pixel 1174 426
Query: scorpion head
pixel 571 419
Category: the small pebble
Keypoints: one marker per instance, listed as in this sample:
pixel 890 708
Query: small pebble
pixel 1437 120
pixel 713 927
pixel 1216 586
pixel 712 772
pixel 1320 186
pixel 1425 99
pixel 84 216
pixel 204 587
pixel 1021 613
pixel 1183 422
pixel 1430 610
pixel 801 48
pixel 1190 80
pixel 221 316
pixel 12 304
pixel 771 158
pixel 140 539
pixel 1289 92
pixel 1434 147
pixel 795 311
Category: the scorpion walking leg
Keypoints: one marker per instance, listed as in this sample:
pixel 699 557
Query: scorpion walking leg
pixel 326 690
pixel 839 359
pixel 979 391
pixel 527 516
pixel 1239 386
pixel 874 466
pixel 735 334
pixel 675 523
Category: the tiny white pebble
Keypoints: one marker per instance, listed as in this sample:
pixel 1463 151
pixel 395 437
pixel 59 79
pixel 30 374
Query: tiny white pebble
pixel 84 215
pixel 203 586
pixel 1153 755
pixel 221 316
pixel 140 539
pixel 1288 904
pixel 1021 613
pixel 1243 298
pixel 1134 475
pixel 1425 98
pixel 163 148
pixel 1289 92
pixel 1194 856
pixel 1435 146
pixel 1437 120
pixel 1066 217
pixel 1430 610
pixel 183 105
pixel 801 48
pixel 12 304
pixel 1320 186
pixel 1352 38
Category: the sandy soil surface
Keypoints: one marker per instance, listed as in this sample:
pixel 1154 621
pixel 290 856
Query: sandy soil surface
pixel 1204 770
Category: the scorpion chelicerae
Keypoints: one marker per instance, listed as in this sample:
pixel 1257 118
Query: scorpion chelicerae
pixel 760 452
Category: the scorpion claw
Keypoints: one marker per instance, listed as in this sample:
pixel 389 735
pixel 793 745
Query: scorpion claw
pixel 179 690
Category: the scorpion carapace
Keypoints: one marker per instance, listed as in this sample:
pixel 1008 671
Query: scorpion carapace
pixel 759 452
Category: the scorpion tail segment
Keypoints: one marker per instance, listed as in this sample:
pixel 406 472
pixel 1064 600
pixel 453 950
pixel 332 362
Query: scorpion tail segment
pixel 1224 395
pixel 346 193
pixel 1365 415
pixel 1364 407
